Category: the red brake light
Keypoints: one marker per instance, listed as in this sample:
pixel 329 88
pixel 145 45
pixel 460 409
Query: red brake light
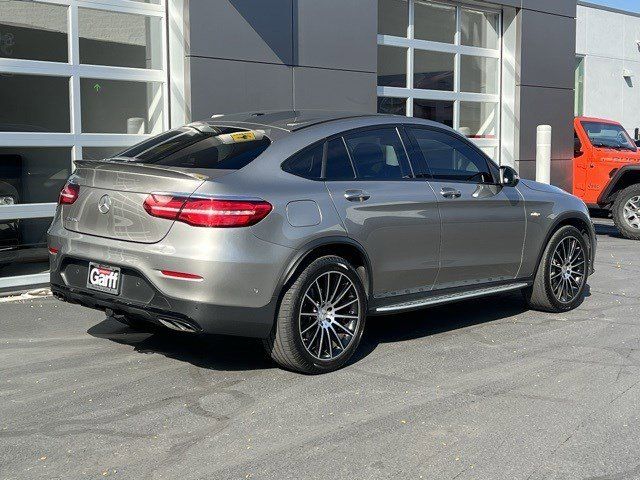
pixel 182 275
pixel 163 206
pixel 207 212
pixel 53 250
pixel 69 194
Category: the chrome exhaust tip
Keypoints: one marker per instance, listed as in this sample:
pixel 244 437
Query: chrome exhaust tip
pixel 177 325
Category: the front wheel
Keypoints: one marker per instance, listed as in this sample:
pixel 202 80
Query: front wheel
pixel 626 212
pixel 561 278
pixel 320 319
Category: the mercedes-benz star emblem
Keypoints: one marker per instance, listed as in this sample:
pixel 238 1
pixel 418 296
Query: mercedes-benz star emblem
pixel 104 204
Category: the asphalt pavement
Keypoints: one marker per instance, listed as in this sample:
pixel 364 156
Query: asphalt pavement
pixel 478 390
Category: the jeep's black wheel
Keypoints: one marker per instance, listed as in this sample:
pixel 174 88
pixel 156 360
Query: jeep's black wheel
pixel 626 212
pixel 320 319
pixel 561 278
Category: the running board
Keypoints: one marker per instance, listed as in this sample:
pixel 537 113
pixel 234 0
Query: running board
pixel 451 297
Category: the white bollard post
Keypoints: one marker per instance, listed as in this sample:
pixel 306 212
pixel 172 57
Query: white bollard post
pixel 543 154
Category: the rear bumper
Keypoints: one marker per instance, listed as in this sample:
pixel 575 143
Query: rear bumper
pixel 237 294
pixel 198 316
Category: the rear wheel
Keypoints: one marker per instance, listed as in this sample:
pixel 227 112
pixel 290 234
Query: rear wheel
pixel 626 212
pixel 561 278
pixel 320 319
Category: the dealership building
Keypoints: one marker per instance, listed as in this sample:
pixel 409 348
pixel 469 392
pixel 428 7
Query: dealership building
pixel 82 79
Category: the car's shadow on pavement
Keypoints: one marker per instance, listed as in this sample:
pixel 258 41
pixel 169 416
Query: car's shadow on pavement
pixel 436 320
pixel 608 230
pixel 235 353
pixel 215 352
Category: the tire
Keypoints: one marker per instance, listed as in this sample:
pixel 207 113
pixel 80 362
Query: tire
pixel 292 340
pixel 628 229
pixel 543 294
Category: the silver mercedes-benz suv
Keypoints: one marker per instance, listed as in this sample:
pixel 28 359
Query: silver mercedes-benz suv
pixel 294 226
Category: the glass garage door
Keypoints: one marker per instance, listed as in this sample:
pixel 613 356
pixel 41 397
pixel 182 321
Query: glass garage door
pixel 78 79
pixel 442 62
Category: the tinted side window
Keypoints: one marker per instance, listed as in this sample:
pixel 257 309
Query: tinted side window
pixel 378 154
pixel 449 158
pixel 338 164
pixel 307 163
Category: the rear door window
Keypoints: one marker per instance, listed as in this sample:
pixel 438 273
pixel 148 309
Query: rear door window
pixel 338 163
pixel 378 154
pixel 207 148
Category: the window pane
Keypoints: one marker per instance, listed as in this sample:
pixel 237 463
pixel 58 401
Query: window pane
pixel 392 105
pixel 378 154
pixel 393 17
pixel 33 174
pixel 438 111
pixel 100 153
pixel 392 66
pixel 433 70
pixel 33 31
pixel 23 247
pixel 451 159
pixel 33 103
pixel 119 39
pixel 478 120
pixel 338 163
pixel 118 106
pixel 480 29
pixel 479 74
pixel 306 164
pixel 435 22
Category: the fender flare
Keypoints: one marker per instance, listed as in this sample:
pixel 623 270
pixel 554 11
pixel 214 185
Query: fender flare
pixel 554 226
pixel 606 195
pixel 303 253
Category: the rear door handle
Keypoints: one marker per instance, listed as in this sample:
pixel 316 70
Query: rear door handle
pixel 356 195
pixel 448 192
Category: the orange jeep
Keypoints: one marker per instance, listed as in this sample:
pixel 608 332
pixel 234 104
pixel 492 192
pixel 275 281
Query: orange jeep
pixel 606 171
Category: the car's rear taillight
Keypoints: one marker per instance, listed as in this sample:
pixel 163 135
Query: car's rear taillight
pixel 69 194
pixel 207 212
pixel 164 206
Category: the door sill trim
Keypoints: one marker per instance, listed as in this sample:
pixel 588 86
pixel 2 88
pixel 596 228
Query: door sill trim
pixel 451 297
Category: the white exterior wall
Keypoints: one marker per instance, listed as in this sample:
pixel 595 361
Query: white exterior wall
pixel 609 42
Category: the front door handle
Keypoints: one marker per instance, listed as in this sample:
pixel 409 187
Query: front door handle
pixel 356 195
pixel 448 192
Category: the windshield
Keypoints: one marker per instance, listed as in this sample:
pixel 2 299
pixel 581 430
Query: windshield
pixel 608 135
pixel 199 146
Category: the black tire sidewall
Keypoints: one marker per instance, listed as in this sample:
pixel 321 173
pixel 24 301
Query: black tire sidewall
pixel 559 236
pixel 313 271
pixel 618 212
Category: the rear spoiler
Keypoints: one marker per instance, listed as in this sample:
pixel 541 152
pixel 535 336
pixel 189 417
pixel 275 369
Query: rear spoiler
pixel 139 168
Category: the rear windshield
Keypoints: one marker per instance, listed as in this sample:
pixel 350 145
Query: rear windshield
pixel 200 146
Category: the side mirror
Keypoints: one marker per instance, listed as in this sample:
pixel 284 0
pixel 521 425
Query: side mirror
pixel 577 146
pixel 508 176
